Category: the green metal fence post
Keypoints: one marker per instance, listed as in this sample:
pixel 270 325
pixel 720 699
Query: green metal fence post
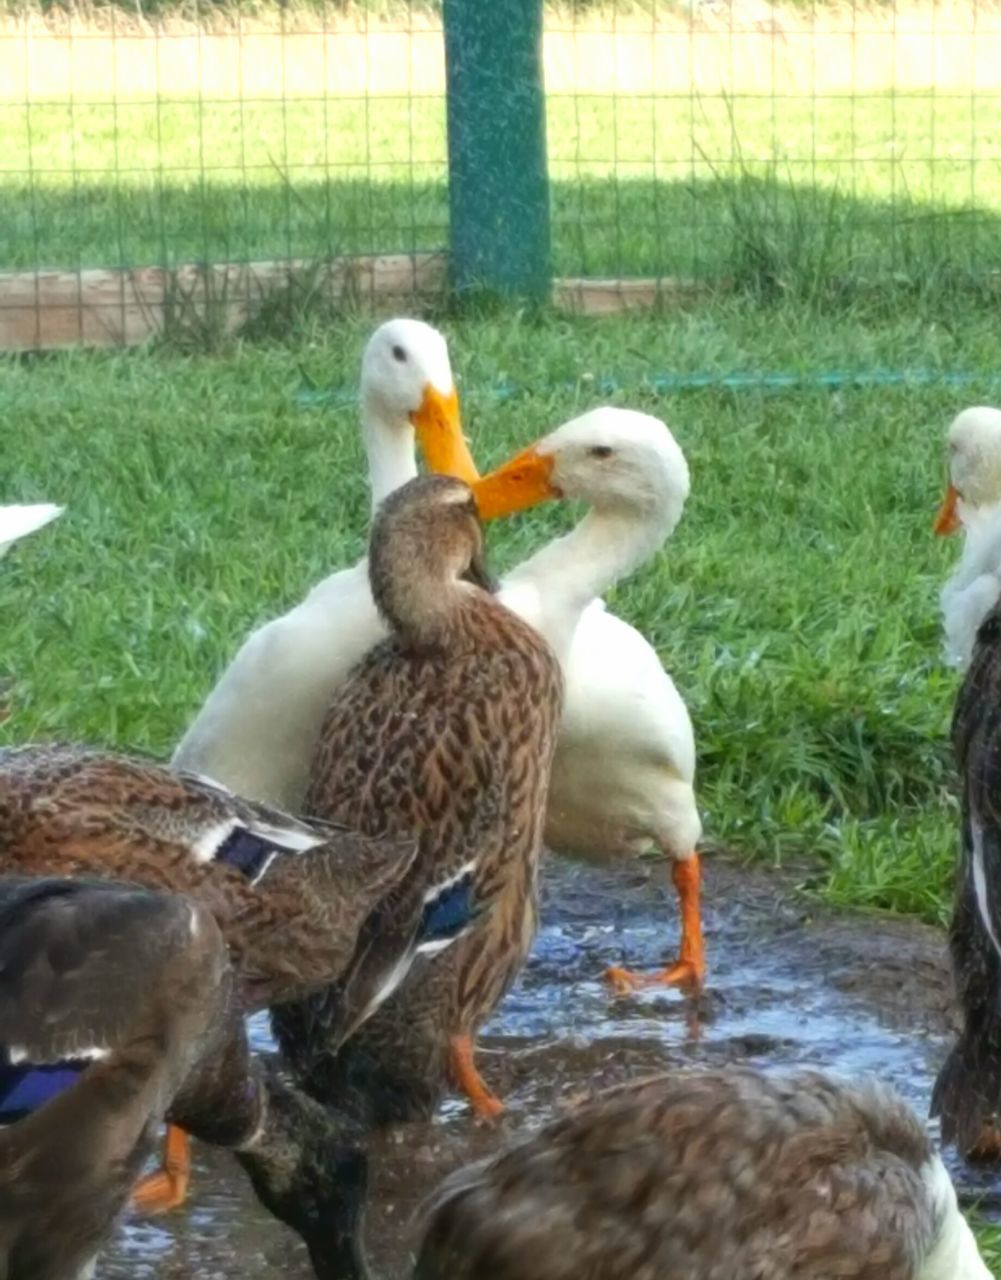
pixel 498 179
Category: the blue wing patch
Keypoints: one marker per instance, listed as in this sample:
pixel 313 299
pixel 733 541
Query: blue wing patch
pixel 449 913
pixel 247 853
pixel 26 1087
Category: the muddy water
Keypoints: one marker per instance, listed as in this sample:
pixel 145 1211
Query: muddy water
pixel 789 985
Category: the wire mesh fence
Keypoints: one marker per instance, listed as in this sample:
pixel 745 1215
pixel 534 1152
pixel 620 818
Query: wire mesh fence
pixel 715 140
pixel 785 141
pixel 220 136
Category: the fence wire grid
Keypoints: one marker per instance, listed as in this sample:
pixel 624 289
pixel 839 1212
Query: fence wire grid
pixel 707 140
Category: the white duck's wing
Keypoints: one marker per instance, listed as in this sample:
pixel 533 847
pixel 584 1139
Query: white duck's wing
pixel 973 587
pixel 259 727
pixel 20 519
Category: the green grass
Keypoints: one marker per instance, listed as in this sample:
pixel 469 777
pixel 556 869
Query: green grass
pixel 989 1238
pixel 796 605
pixel 792 191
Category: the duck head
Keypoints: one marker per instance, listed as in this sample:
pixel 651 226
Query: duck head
pixel 425 554
pixel 612 459
pixel 974 443
pixel 407 391
pixel 308 1168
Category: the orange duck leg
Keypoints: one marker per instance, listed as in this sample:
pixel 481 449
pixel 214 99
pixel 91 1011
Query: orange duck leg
pixel 167 1188
pixel 486 1105
pixel 689 971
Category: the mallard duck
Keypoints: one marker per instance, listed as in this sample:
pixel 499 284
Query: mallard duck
pixel 259 727
pixel 445 731
pixel 117 1006
pixel 715 1175
pixel 18 520
pixel 967 1094
pixel 624 771
pixel 972 503
pixel 297 902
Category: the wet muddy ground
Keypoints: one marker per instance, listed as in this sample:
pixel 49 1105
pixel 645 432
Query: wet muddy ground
pixel 789 985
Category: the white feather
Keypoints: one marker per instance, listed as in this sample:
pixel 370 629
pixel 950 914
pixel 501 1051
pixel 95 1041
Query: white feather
pixel 624 771
pixel 210 840
pixel 954 1254
pixel 980 883
pixel 18 520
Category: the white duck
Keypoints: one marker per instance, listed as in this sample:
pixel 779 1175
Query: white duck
pixel 257 731
pixel 19 519
pixel 624 772
pixel 972 503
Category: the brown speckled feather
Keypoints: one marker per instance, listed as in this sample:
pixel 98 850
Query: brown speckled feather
pixel 86 968
pixel 714 1175
pixel 447 731
pixel 144 977
pixel 967 1094
pixel 68 811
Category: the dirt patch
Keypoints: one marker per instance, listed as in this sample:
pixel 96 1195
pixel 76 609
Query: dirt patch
pixel 789 984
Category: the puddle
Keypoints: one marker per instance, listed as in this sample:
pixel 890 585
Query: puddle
pixel 789 986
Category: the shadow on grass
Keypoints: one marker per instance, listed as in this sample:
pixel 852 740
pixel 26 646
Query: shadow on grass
pixel 757 232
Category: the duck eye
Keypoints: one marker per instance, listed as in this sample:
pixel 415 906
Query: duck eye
pixel 601 451
pixel 399 354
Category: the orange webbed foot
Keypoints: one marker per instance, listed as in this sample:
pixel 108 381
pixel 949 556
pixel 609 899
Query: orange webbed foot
pixel 689 971
pixel 687 975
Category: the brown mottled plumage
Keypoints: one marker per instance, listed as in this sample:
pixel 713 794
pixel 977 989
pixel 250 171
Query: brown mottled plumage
pixel 292 921
pixel 445 731
pixel 293 899
pixel 967 1094
pixel 132 990
pixel 709 1175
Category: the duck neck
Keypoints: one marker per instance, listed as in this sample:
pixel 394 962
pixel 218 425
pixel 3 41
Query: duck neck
pixel 308 1168
pixel 389 448
pixel 425 612
pixel 608 544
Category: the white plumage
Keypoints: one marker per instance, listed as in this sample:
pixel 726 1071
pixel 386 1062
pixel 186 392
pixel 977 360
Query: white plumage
pixel 18 519
pixel 973 504
pixel 625 767
pixel 258 729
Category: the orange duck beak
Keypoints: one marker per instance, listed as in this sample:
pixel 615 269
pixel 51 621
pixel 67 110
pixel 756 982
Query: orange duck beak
pixel 522 482
pixel 947 521
pixel 438 425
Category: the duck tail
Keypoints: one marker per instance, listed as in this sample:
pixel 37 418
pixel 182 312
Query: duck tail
pixel 967 1100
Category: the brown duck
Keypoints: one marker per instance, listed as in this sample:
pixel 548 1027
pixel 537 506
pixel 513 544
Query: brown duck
pixel 446 731
pixel 710 1175
pixel 297 902
pixel 967 1093
pixel 116 1006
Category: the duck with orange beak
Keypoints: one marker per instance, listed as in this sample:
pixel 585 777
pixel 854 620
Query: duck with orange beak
pixel 259 727
pixel 967 1093
pixel 972 504
pixel 624 772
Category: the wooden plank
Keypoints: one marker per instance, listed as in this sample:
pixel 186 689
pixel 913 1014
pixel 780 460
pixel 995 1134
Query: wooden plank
pixel 611 297
pixel 48 310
